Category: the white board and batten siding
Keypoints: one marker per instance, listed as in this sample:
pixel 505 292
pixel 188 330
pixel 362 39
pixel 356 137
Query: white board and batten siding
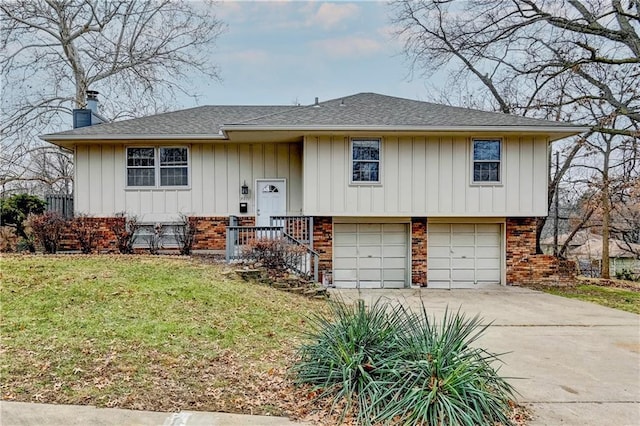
pixel 216 173
pixel 425 176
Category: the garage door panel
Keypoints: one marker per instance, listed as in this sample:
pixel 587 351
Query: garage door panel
pixel 394 251
pixel 463 263
pixel 370 284
pixel 463 239
pixel 394 284
pixel 364 228
pixel 344 274
pixel 458 228
pixel 459 252
pixel 487 263
pixel 395 238
pixel 439 263
pixel 394 274
pixel 366 251
pixel 345 251
pixel 438 252
pixel 463 274
pixel 399 228
pixel 345 240
pixel 341 228
pixel 394 262
pixel 440 275
pixel 439 240
pixel 488 240
pixel 370 274
pixel 488 228
pixel 370 262
pixel 370 239
pixel 345 263
pixel 488 275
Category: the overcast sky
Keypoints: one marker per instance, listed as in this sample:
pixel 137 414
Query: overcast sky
pixel 292 51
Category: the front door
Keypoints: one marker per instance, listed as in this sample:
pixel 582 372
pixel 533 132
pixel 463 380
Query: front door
pixel 271 200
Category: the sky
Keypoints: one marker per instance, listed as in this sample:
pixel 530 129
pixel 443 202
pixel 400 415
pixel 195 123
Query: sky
pixel 290 52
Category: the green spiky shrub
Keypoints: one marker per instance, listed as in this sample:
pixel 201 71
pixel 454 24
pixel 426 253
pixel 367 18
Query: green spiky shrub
pixel 394 366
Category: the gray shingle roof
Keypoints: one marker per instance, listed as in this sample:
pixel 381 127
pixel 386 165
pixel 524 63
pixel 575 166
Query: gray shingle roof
pixel 370 109
pixel 362 109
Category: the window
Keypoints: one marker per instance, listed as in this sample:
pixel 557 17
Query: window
pixel 173 167
pixel 141 169
pixel 365 160
pixel 147 165
pixel 487 154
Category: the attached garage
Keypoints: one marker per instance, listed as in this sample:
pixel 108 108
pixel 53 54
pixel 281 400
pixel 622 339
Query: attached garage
pixel 463 255
pixel 370 255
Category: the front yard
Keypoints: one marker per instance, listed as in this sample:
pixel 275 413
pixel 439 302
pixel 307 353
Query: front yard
pixel 618 294
pixel 143 332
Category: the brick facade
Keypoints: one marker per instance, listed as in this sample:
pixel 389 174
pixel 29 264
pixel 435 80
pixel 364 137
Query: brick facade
pixel 524 265
pixel 419 251
pixel 105 241
pixel 323 242
pixel 211 231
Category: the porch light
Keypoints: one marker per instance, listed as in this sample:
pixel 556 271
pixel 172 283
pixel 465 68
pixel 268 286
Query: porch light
pixel 244 189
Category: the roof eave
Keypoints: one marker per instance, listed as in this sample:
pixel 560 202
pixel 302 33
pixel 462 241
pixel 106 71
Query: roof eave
pixel 557 130
pixel 77 138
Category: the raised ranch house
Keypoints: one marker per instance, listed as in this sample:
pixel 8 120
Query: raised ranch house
pixel 388 192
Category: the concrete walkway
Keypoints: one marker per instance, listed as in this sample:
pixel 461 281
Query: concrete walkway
pixel 577 363
pixel 27 414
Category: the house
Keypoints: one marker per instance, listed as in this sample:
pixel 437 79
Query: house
pixel 398 191
pixel 585 248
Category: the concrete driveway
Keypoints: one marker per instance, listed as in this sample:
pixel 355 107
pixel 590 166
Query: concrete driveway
pixel 577 363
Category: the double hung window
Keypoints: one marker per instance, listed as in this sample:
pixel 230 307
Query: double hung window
pixel 148 166
pixel 487 158
pixel 365 161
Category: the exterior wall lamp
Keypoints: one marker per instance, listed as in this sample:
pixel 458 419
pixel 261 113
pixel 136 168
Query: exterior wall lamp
pixel 244 189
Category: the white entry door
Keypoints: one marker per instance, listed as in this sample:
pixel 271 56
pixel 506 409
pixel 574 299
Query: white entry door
pixel 271 200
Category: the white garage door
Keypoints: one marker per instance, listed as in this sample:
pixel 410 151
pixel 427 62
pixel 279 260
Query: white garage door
pixel 370 255
pixel 463 255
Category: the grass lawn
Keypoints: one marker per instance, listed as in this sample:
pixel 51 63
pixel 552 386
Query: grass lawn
pixel 623 298
pixel 143 332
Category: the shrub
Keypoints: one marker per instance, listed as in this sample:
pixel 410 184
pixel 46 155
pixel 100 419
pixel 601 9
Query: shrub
pixel 154 240
pixel 390 365
pixel 626 274
pixel 274 254
pixel 86 231
pixel 14 211
pixel 8 239
pixel 186 234
pixel 125 229
pixel 47 229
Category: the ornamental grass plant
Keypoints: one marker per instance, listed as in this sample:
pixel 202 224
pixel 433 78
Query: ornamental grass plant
pixel 386 364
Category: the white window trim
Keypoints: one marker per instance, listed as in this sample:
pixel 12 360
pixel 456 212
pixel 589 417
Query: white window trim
pixel 365 183
pixel 156 162
pixel 473 161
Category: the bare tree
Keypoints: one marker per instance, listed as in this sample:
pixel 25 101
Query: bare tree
pixel 139 54
pixel 572 60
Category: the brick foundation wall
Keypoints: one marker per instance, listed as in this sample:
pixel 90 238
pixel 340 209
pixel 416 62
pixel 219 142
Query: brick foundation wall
pixel 419 251
pixel 105 241
pixel 211 231
pixel 524 265
pixel 323 242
